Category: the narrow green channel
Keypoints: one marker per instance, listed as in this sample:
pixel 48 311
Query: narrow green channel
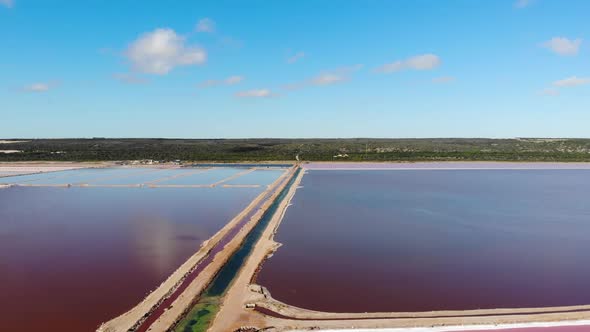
pixel 203 312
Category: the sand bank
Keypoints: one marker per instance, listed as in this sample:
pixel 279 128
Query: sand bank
pixel 7 169
pixel 458 165
pixel 581 325
pixel 22 168
pixel 12 142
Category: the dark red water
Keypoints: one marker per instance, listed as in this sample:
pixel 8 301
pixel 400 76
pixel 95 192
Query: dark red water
pixel 357 241
pixel 73 258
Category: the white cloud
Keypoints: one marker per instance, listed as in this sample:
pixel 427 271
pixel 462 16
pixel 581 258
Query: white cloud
pixel 335 76
pixel 130 78
pixel 7 3
pixel 296 57
pixel 391 67
pixel 329 78
pixel 160 51
pixel 257 93
pixel 38 87
pixel 232 80
pixel 563 46
pixel 205 25
pixel 443 79
pixel 550 92
pixel 418 62
pixel 523 3
pixel 325 78
pixel 423 62
pixel 209 83
pixel 572 81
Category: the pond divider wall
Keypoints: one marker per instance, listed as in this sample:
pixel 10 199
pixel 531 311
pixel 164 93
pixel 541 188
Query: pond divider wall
pixel 209 300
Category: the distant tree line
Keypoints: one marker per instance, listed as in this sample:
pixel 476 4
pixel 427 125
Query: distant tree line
pixel 234 150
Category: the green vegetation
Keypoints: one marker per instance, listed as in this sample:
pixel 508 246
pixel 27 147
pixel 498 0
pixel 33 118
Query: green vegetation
pixel 200 316
pixel 360 149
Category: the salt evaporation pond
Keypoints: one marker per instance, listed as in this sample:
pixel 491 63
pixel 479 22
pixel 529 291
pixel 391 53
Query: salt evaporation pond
pixel 71 258
pixel 263 177
pixel 204 176
pixel 421 240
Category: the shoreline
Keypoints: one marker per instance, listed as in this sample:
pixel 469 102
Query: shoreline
pixel 446 165
pixel 312 165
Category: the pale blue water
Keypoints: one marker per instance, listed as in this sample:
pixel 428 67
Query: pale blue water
pixel 70 176
pixel 131 176
pixel 141 176
pixel 81 176
pixel 206 177
pixel 263 177
pixel 42 176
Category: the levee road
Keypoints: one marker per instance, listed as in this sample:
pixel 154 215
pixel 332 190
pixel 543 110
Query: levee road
pixel 163 307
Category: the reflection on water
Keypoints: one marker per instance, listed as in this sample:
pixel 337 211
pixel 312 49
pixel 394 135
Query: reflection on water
pixel 155 242
pixel 73 258
pixel 357 241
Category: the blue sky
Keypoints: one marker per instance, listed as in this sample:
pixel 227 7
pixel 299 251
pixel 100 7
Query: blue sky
pixel 305 68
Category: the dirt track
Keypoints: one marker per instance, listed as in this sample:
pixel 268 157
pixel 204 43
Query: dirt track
pixel 233 314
